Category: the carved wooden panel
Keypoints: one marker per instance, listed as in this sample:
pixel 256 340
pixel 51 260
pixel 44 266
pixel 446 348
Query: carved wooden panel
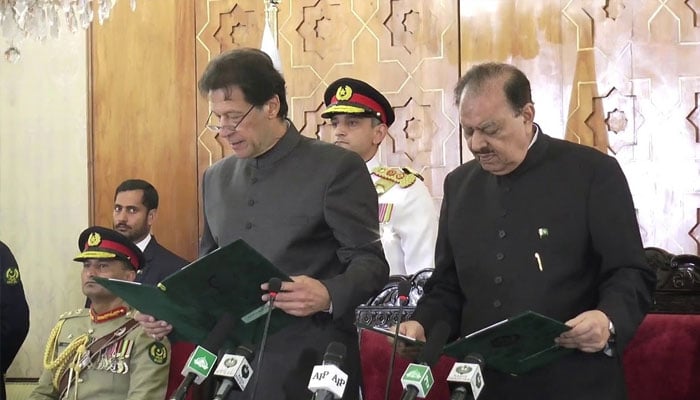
pixel 635 96
pixel 618 75
pixel 526 34
pixel 405 48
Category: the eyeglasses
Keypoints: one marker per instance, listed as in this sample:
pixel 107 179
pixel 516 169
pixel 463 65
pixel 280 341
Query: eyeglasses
pixel 231 128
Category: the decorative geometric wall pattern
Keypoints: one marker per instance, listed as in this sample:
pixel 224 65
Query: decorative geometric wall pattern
pixel 618 75
pixel 647 84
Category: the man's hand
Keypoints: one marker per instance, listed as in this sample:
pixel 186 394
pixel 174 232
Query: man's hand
pixel 154 328
pixel 589 332
pixel 303 297
pixel 412 329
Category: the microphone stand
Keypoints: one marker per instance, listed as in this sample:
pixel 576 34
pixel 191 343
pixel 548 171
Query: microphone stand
pixel 273 287
pixel 403 290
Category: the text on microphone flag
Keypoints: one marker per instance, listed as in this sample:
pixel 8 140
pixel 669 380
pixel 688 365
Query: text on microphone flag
pixel 328 377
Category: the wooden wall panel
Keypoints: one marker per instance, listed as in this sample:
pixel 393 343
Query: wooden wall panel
pixel 526 34
pixel 617 75
pixel 634 95
pixel 143 114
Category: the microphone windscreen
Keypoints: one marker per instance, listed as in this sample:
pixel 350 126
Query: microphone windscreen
pixel 436 340
pixel 216 338
pixel 274 285
pixel 335 354
pixel 474 358
pixel 245 351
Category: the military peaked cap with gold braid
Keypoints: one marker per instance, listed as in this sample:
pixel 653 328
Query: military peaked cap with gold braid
pixel 103 243
pixel 353 96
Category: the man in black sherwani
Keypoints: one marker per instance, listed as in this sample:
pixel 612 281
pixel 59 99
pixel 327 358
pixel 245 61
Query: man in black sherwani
pixel 536 223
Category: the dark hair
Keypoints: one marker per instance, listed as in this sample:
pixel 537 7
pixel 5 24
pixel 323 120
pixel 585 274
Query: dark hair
pixel 150 194
pixel 516 86
pixel 249 69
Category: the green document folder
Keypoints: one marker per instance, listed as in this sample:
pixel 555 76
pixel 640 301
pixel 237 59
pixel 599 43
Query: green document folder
pixel 515 345
pixel 193 298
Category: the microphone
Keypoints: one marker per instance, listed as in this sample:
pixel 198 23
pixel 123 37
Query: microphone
pixel 274 285
pixel 418 379
pixel 328 381
pixel 402 296
pixel 465 378
pixel 202 359
pixel 235 371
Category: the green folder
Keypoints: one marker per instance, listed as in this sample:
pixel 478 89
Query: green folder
pixel 193 298
pixel 515 345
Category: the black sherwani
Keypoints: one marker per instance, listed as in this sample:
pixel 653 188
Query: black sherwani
pixel 311 209
pixel 571 205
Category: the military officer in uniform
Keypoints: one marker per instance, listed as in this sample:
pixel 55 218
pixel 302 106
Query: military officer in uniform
pixel 14 312
pixel 361 117
pixel 101 352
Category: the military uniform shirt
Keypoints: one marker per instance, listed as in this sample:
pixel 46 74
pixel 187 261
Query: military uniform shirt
pixel 133 368
pixel 408 224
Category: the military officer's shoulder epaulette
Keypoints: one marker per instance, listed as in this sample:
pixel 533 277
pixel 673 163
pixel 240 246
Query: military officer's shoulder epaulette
pixel 405 176
pixel 79 313
pixel 411 171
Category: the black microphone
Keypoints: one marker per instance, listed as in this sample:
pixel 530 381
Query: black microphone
pixel 404 289
pixel 418 379
pixel 274 285
pixel 327 380
pixel 203 358
pixel 234 370
pixel 465 379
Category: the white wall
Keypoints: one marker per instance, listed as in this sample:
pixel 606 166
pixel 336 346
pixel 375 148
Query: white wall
pixel 43 179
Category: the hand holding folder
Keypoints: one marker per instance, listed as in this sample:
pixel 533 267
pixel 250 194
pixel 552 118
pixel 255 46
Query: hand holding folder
pixel 193 298
pixel 515 345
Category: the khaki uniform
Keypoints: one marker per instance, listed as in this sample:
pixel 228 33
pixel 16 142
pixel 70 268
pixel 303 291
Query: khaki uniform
pixel 134 367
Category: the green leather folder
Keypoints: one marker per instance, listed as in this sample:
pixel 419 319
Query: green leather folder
pixel 515 345
pixel 193 298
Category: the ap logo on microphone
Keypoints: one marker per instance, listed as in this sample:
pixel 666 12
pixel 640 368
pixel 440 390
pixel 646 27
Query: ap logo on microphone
pixel 330 378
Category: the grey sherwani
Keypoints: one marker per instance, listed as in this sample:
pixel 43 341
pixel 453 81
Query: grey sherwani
pixel 311 209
